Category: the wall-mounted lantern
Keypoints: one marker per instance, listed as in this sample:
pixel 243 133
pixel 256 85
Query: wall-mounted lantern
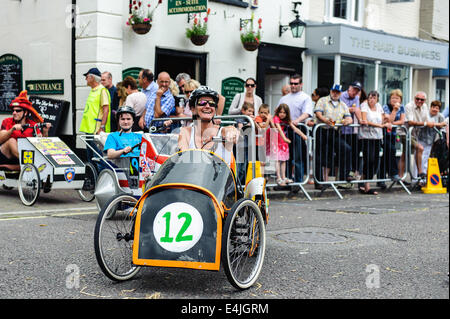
pixel 297 26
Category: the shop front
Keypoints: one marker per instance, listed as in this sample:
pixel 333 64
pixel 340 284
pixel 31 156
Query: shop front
pixel 342 54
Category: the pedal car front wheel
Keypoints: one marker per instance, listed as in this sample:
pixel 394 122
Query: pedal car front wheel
pixel 113 238
pixel 29 184
pixel 243 244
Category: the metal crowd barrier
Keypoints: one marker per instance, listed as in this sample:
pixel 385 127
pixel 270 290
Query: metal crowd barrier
pixel 299 158
pixel 338 151
pixel 331 153
pixel 413 167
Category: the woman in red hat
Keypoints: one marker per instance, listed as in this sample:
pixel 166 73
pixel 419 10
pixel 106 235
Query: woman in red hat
pixel 12 128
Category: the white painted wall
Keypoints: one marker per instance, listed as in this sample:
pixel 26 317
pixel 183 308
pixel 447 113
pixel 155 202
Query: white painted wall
pixel 36 31
pixel 226 56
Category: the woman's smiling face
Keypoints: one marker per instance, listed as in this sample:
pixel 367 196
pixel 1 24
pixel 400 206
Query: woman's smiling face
pixel 204 109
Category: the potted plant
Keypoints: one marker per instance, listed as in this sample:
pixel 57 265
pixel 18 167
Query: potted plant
pixel 250 39
pixel 141 16
pixel 198 32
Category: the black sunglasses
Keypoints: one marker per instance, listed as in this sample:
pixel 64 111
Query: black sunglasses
pixel 419 99
pixel 203 103
pixel 250 85
pixel 18 110
pixel 294 83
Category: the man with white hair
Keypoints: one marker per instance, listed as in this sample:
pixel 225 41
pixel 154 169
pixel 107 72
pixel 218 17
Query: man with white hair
pixel 182 78
pixel 96 115
pixel 97 111
pixel 418 115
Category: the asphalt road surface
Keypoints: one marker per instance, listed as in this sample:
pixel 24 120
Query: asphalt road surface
pixel 393 245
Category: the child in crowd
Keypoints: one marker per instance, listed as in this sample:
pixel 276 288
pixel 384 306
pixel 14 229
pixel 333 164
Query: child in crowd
pixel 242 125
pixel 247 109
pixel 279 143
pixel 263 121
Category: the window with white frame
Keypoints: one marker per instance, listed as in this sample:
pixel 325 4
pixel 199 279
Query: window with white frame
pixel 345 11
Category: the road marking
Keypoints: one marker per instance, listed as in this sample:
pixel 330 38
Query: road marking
pixel 48 213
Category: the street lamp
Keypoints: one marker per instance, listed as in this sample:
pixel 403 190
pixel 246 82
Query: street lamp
pixel 297 26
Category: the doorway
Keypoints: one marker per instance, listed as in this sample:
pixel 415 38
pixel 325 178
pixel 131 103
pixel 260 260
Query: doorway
pixel 175 62
pixel 272 92
pixel 274 66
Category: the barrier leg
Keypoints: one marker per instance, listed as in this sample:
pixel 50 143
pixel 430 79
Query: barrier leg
pixel 336 191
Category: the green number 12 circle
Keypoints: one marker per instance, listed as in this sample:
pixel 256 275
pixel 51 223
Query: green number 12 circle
pixel 178 227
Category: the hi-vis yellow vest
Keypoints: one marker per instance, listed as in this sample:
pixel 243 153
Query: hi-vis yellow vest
pixel 92 115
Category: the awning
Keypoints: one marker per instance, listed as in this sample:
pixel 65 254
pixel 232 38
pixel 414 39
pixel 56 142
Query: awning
pixel 331 39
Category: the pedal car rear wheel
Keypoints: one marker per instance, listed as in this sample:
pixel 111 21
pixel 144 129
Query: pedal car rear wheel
pixel 29 184
pixel 90 177
pixel 243 244
pixel 113 238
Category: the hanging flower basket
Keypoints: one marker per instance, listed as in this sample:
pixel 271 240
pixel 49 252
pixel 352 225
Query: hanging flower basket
pixel 251 39
pixel 141 28
pixel 141 16
pixel 250 46
pixel 199 39
pixel 198 31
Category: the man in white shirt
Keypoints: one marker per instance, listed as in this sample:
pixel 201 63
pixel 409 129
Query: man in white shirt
pixel 301 107
pixel 418 114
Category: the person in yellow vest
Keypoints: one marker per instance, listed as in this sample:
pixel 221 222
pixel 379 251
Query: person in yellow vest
pixel 97 111
pixel 96 115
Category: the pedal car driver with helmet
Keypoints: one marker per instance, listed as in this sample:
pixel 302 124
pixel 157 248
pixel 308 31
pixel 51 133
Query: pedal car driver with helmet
pixel 123 143
pixel 20 125
pixel 203 102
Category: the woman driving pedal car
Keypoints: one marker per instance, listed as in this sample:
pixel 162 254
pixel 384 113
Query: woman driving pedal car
pixel 203 102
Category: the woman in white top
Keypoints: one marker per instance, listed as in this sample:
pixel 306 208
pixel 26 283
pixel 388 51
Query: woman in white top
pixel 371 134
pixel 248 96
pixel 200 134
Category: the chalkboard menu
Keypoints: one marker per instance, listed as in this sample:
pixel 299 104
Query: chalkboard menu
pixel 10 80
pixel 51 110
pixel 230 87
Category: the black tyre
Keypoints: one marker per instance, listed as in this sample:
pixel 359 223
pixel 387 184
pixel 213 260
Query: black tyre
pixel 90 178
pixel 29 184
pixel 243 244
pixel 113 238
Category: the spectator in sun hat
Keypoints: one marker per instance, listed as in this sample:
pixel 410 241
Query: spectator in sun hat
pixel 20 125
pixel 331 110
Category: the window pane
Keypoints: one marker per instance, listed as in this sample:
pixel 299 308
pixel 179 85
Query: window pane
pixel 356 15
pixel 392 76
pixel 440 92
pixel 340 9
pixel 358 70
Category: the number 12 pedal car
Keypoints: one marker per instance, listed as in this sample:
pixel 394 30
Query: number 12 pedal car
pixel 193 214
